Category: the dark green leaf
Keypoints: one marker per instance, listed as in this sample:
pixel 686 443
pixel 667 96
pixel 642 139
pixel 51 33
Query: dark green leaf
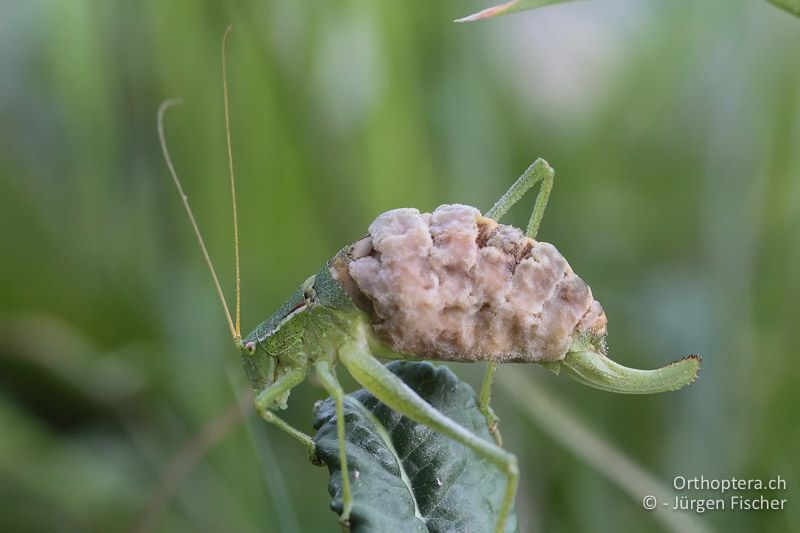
pixel 411 478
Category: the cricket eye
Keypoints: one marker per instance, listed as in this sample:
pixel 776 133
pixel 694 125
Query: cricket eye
pixel 309 295
pixel 250 347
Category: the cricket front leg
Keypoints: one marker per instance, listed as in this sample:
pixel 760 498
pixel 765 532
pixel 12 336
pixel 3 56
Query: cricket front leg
pixel 328 377
pixel 394 393
pixel 267 397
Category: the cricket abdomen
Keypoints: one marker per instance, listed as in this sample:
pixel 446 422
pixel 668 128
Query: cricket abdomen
pixel 455 285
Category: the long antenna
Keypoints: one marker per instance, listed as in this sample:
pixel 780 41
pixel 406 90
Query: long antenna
pixel 233 179
pixel 166 104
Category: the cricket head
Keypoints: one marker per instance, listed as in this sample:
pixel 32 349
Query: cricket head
pixel 275 346
pixel 306 327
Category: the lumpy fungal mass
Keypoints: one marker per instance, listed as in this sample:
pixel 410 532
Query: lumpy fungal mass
pixel 459 285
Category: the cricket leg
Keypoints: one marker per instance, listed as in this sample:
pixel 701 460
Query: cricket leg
pixel 328 377
pixel 540 170
pixel 485 404
pixel 265 399
pixel 394 393
pixel 541 202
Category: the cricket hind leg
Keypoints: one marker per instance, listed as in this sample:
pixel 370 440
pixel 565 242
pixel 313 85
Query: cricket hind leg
pixel 539 170
pixel 394 393
pixel 265 399
pixel 328 377
pixel 485 404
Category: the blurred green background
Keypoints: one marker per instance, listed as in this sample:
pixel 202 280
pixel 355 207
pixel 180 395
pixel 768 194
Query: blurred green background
pixel 674 127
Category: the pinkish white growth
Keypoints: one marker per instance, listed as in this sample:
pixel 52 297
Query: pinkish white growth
pixel 460 286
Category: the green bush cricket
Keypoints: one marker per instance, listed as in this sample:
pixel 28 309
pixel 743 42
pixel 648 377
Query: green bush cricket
pixel 362 304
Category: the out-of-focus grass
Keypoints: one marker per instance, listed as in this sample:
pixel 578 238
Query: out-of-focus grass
pixel 673 127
